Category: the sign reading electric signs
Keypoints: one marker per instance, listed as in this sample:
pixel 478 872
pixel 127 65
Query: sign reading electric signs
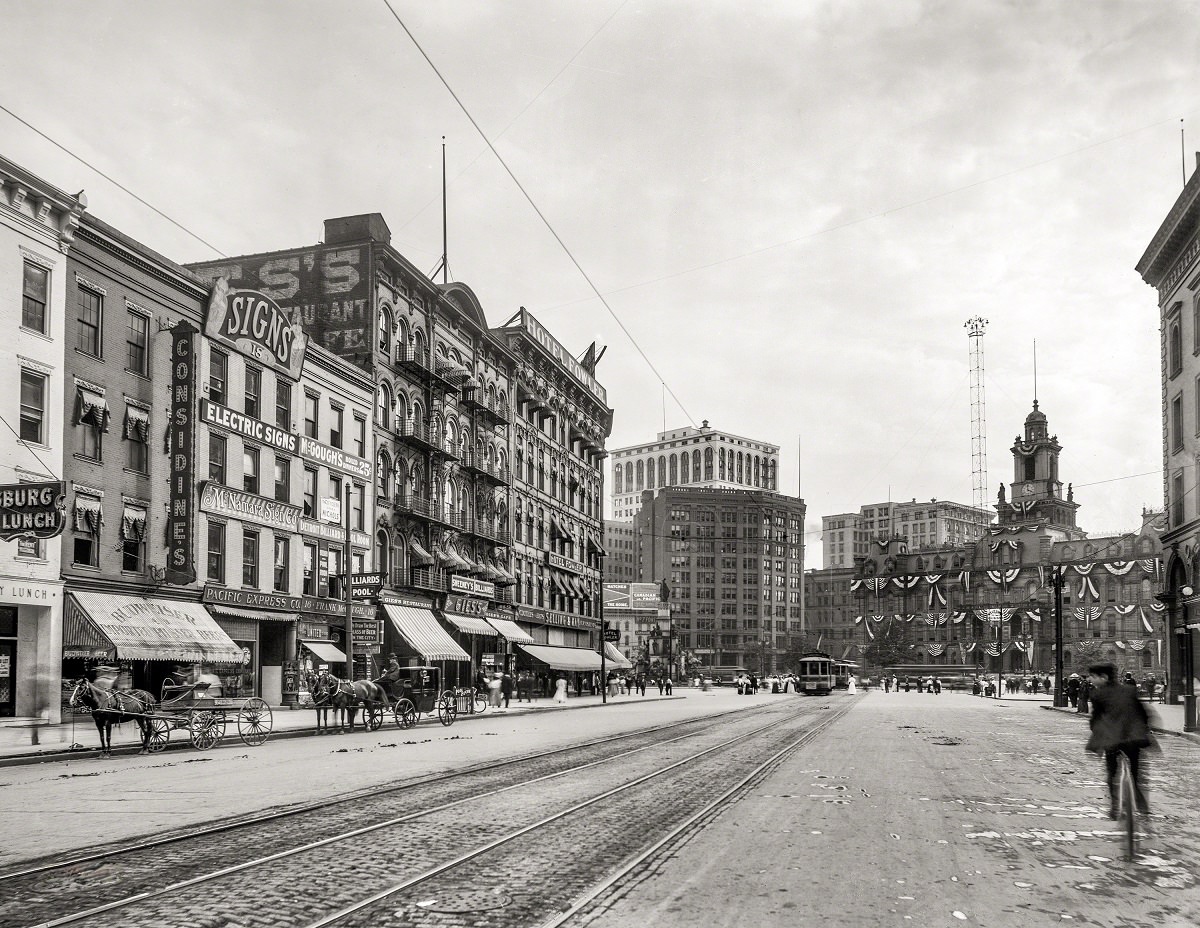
pixel 252 323
pixel 32 510
pixel 183 439
pixel 231 420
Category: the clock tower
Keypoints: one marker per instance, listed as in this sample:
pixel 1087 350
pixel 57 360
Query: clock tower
pixel 1037 493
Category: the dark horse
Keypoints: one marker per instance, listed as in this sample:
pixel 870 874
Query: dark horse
pixel 110 707
pixel 345 696
pixel 321 686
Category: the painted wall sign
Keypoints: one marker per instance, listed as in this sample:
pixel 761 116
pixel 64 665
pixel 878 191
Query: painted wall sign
pixel 225 501
pixel 553 347
pixel 475 587
pixel 395 599
pixel 253 324
pixel 29 593
pixel 335 607
pixel 182 431
pixel 336 458
pixel 229 419
pixel 465 605
pixel 32 510
pixel 642 597
pixel 327 290
pixel 251 599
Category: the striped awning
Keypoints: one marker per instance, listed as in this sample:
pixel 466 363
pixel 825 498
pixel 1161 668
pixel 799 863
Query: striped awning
pixel 325 651
pixel 420 628
pixel 615 658
pixel 233 612
pixel 421 557
pixel 139 628
pixel 563 658
pixel 511 630
pixel 470 624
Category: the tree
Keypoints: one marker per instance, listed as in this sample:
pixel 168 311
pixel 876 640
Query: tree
pixel 790 659
pixel 891 646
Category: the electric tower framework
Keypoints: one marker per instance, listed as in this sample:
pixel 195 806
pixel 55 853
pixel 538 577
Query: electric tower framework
pixel 979 481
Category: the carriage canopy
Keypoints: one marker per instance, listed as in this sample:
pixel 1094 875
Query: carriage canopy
pixel 141 628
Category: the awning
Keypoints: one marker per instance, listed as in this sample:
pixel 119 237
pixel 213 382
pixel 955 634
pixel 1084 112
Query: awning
pixel 458 562
pixel 91 408
pixel 596 546
pixel 137 424
pixel 563 658
pixel 559 584
pixel 421 557
pixel 511 630
pixel 233 612
pixel 89 516
pixel 419 627
pixel 153 629
pixel 580 587
pixel 325 651
pixel 470 624
pixel 443 557
pixel 615 658
pixel 133 523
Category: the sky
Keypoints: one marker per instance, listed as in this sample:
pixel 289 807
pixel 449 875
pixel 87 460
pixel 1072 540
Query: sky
pixel 790 208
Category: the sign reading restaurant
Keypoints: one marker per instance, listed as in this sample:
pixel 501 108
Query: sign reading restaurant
pixel 252 323
pixel 217 499
pixel 32 510
pixel 233 421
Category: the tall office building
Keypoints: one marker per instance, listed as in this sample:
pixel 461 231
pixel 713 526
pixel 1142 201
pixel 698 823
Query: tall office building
pixel 920 524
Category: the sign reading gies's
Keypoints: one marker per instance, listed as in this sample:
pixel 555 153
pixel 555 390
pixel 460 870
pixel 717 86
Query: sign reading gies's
pixel 223 501
pixel 465 605
pixel 180 520
pixel 252 323
pixel 32 510
pixel 225 418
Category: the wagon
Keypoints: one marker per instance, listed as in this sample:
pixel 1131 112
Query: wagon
pixel 188 707
pixel 417 692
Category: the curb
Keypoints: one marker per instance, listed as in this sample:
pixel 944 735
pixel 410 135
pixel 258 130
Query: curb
pixel 1189 735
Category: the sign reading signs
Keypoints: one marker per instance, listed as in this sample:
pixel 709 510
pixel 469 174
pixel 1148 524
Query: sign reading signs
pixel 183 440
pixel 252 323
pixel 224 501
pixel 32 510
pixel 225 418
pixel 335 458
pixel 484 588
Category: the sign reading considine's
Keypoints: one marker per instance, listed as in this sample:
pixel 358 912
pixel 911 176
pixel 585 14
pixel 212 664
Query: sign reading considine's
pixel 252 323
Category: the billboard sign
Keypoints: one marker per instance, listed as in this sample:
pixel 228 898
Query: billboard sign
pixel 32 510
pixel 253 324
pixel 182 432
pixel 640 597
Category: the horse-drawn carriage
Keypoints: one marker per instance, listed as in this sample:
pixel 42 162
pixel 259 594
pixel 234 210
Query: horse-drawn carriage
pixel 414 692
pixel 183 706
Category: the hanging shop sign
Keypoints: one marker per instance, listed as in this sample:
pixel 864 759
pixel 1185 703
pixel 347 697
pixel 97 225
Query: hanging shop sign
pixel 313 631
pixel 332 532
pixel 484 588
pixel 182 435
pixel 250 599
pixel 224 501
pixel 32 510
pixel 367 631
pixel 335 458
pixel 252 323
pixel 564 563
pixel 334 607
pixel 233 421
pixel 465 605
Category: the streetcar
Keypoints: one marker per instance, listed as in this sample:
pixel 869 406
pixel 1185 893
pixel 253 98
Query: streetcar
pixel 842 672
pixel 815 675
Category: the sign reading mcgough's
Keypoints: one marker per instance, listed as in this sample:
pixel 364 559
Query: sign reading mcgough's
pixel 252 323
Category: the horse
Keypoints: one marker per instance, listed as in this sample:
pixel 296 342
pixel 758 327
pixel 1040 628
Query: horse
pixel 347 695
pixel 111 707
pixel 321 688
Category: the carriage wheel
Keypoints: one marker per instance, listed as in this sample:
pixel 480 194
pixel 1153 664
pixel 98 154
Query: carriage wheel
pixel 160 734
pixel 447 708
pixel 373 717
pixel 405 713
pixel 254 721
pixel 205 728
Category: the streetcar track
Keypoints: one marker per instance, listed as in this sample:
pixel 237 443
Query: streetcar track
pixel 324 805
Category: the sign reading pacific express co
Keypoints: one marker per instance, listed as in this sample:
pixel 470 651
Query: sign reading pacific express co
pixel 224 501
pixel 225 418
pixel 335 458
pixel 32 510
pixel 182 431
pixel 251 599
pixel 252 323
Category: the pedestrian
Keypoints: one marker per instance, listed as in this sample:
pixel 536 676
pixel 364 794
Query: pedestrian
pixel 494 691
pixel 1085 695
pixel 667 685
pixel 641 684
pixel 937 686
pixel 1073 686
pixel 560 689
pixel 920 684
pixel 976 689
pixel 659 681
pixel 1120 725
pixel 895 684
pixel 506 688
pixel 850 687
pixel 907 684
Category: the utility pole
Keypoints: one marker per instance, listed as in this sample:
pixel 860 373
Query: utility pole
pixel 1060 693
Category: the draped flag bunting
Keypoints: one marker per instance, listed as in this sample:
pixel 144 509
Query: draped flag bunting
pixel 992 649
pixel 878 618
pixel 1145 621
pixel 995 616
pixel 936 596
pixel 1124 610
pixel 1041 569
pixel 1086 585
pixel 870 631
pixel 858 620
pixel 1087 614
pixel 909 617
pixel 968 647
pixel 1033 615
pixel 875 584
pixel 1158 642
pixel 957 616
pixel 1083 569
pixel 1150 565
pixel 855 584
pixel 1119 568
pixel 1137 644
pixel 1120 644
pixel 964 579
pixel 906 583
pixel 935 618
pixel 1157 607
pixel 936 650
pixel 995 545
pixel 1088 646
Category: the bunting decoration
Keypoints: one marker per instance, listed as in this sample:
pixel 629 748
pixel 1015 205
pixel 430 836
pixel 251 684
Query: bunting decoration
pixel 1150 566
pixel 1145 621
pixel 1033 615
pixel 1087 586
pixel 964 579
pixel 968 647
pixel 936 650
pixel 1003 542
pixel 875 584
pixel 906 583
pixel 1119 568
pixel 1041 569
pixel 858 620
pixel 855 584
pixel 870 631
pixel 936 596
pixel 1124 610
pixel 1157 607
pixel 878 618
pixel 957 617
pixel 992 649
pixel 995 616
pixel 1088 646
pixel 1087 614
pixel 1004 575
pixel 935 618
pixel 1137 644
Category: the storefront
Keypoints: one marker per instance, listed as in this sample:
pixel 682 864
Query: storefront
pixel 510 634
pixel 263 625
pixel 414 634
pixel 29 667
pixel 150 639
pixel 466 616
pixel 545 663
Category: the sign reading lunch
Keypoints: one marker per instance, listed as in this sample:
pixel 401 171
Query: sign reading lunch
pixel 252 323
pixel 233 421
pixel 335 458
pixel 32 510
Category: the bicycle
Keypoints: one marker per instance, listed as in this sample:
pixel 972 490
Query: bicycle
pixel 1127 797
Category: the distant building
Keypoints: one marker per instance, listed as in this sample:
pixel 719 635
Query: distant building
pixel 702 457
pixel 920 524
pixel 621 547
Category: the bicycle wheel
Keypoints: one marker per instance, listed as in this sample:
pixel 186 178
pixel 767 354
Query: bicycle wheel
pixel 1128 806
pixel 479 702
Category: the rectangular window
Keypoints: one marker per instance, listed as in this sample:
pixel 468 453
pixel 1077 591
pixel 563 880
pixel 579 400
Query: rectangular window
pixel 35 294
pixel 310 492
pixel 360 436
pixel 281 564
pixel 310 416
pixel 1177 500
pixel 137 343
pixel 283 404
pixel 216 457
pixel 337 414
pixel 250 470
pixel 283 479
pixel 91 305
pixel 33 407
pixel 310 570
pixel 87 550
pixel 249 558
pixel 1177 423
pixel 89 440
pixel 133 531
pixel 137 451
pixel 335 490
pixel 216 551
pixel 335 568
pixel 357 498
pixel 253 391
pixel 218 376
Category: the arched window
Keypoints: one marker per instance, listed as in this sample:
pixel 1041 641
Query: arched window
pixel 1030 467
pixel 662 470
pixel 675 469
pixel 641 474
pixel 650 475
pixel 739 468
pixel 383 470
pixel 683 468
pixel 419 345
pixel 721 461
pixel 401 336
pixel 628 476
pixel 696 466
pixel 382 551
pixel 383 404
pixel 708 464
pixel 385 330
pixel 618 482
pixel 1176 349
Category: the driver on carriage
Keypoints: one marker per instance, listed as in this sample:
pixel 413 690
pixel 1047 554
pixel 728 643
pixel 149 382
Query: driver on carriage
pixel 390 676
pixel 104 677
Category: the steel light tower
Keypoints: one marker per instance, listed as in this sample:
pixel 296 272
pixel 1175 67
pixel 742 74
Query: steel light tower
pixel 975 327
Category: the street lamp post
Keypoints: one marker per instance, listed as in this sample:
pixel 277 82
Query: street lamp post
pixel 1060 692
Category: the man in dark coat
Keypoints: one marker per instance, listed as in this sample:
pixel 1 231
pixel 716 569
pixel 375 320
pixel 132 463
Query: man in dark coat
pixel 1120 725
pixel 1073 690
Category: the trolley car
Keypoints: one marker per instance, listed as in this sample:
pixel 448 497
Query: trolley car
pixel 815 675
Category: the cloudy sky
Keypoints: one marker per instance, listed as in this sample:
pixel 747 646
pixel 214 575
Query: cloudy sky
pixel 792 207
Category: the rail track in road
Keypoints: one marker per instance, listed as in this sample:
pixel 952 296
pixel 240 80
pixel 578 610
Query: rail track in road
pixel 430 832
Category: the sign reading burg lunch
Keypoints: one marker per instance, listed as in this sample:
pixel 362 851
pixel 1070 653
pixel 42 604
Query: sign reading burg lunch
pixel 252 323
pixel 32 510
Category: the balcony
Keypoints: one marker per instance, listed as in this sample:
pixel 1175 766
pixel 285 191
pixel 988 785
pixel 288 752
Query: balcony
pixel 417 435
pixel 430 578
pixel 414 505
pixel 482 529
pixel 495 412
pixel 436 373
pixel 497 473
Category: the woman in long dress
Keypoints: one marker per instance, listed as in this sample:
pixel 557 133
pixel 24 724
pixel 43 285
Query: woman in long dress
pixel 560 690
pixel 851 688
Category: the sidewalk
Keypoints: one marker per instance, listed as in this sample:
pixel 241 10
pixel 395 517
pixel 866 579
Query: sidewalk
pixel 26 741
pixel 1165 719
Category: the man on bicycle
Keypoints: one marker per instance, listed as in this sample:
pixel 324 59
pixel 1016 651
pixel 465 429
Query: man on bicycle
pixel 1120 725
